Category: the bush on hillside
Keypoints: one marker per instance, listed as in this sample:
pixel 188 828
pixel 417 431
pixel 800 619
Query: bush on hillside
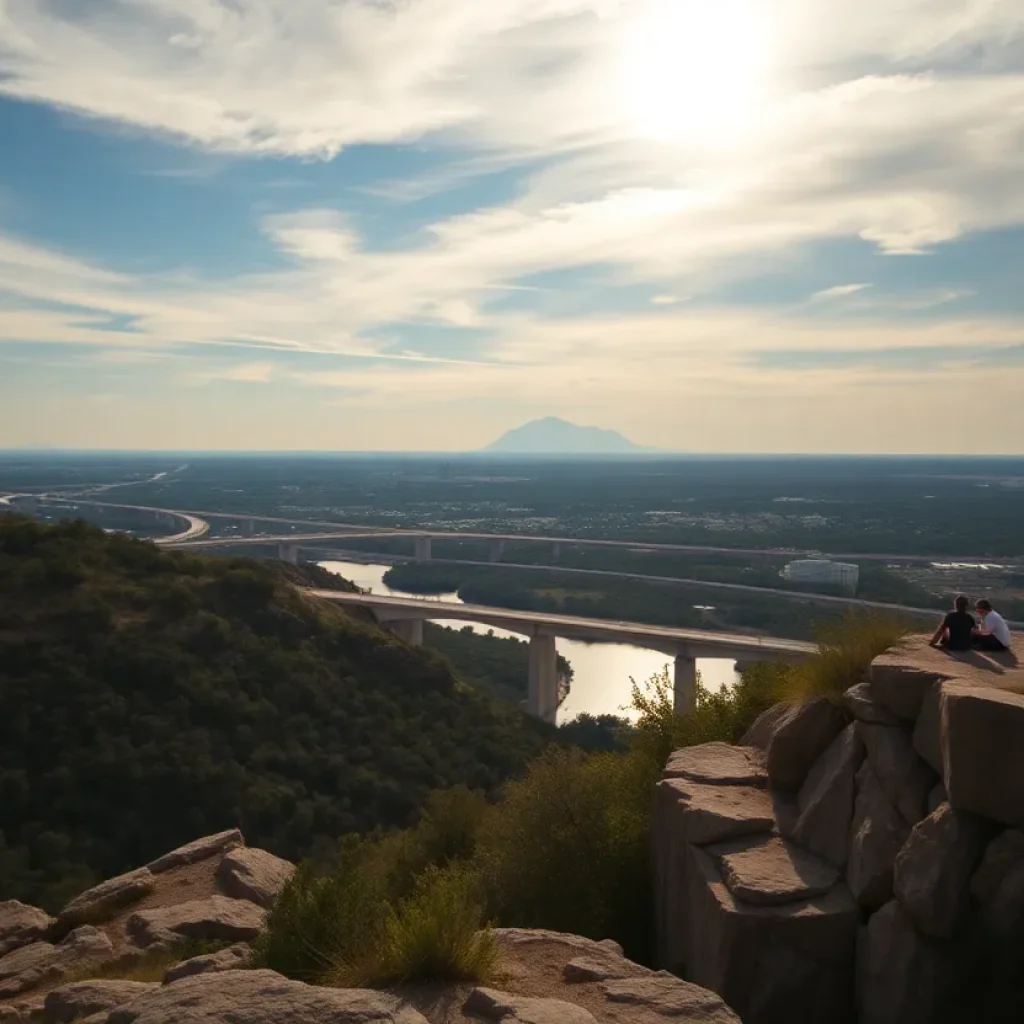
pixel 342 927
pixel 151 697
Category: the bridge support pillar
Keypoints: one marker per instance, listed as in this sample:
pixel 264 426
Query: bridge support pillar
pixel 556 552
pixel 542 701
pixel 248 528
pixel 409 630
pixel 288 553
pixel 684 686
pixel 497 550
pixel 422 549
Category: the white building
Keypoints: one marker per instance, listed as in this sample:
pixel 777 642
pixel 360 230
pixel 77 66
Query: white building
pixel 820 570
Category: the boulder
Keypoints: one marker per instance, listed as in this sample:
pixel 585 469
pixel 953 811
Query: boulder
pixel 602 968
pixel 199 849
pixel 1002 853
pixel 717 764
pixel 766 871
pixel 711 814
pixel 231 959
pixel 826 798
pixel 933 871
pixel 983 751
pixel 905 779
pixel 217 917
pixel 81 998
pixel 927 731
pixel 21 924
pixel 491 1004
pixel 758 958
pixel 28 966
pixel 670 997
pixel 246 873
pixel 877 834
pixel 903 977
pixel 261 997
pixel 800 739
pixel 513 937
pixel 103 901
pixel 900 679
pixel 863 706
pixel 759 735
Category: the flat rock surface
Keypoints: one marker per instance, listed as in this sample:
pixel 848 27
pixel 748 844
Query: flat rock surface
pixel 602 968
pixel 770 871
pixel 21 924
pixel 198 849
pixel 231 959
pixel 671 997
pixel 718 764
pixel 217 917
pixel 712 814
pixel 246 873
pixel 512 937
pixel 82 998
pixel 104 900
pixel 492 1005
pixel 261 997
pixel 28 966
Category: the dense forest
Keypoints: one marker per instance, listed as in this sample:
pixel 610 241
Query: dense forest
pixel 150 697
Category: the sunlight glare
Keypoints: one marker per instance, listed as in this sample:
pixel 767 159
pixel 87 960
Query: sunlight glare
pixel 694 70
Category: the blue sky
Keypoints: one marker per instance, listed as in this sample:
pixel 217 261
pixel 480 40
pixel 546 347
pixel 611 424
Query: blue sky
pixel 715 225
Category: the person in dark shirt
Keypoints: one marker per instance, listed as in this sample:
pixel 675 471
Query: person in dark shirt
pixel 956 630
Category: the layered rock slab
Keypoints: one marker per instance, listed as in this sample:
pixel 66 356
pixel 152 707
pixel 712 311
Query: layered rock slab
pixel 261 997
pixel 215 918
pixel 21 924
pixel 246 873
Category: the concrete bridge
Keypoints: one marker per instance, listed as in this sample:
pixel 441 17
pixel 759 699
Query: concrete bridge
pixel 405 617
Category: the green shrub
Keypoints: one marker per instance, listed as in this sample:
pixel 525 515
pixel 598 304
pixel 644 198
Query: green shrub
pixel 323 921
pixel 845 650
pixel 436 934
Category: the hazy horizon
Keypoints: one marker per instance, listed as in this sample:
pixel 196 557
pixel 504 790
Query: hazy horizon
pixel 346 225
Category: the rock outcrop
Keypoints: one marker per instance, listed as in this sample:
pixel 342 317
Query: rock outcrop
pixel 248 874
pixel 21 924
pixel 84 998
pixel 891 878
pixel 28 966
pixel 217 917
pixel 104 900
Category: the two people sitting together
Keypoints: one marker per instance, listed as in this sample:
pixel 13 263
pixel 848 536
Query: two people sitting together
pixel 959 631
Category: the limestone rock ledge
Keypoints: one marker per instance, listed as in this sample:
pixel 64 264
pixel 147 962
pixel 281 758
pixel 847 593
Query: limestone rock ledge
pixel 875 878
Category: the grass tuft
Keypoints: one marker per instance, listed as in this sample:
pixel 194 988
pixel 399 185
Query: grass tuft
pixel 845 650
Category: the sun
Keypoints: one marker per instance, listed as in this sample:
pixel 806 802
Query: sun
pixel 693 70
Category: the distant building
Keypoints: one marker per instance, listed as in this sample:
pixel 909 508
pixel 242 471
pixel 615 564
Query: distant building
pixel 843 575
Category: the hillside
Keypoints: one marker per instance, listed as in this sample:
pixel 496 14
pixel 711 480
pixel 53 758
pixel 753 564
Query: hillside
pixel 554 436
pixel 149 697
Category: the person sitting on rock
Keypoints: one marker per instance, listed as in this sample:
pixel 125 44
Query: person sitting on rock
pixel 994 634
pixel 956 631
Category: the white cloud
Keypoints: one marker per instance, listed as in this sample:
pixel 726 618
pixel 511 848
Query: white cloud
pixel 839 291
pixel 896 122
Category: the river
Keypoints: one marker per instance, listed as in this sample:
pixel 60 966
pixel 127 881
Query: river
pixel 601 672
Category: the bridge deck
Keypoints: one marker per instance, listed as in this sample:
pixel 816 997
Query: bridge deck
pixel 695 642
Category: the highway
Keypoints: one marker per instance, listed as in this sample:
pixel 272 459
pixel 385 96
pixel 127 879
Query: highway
pixel 704 642
pixel 334 531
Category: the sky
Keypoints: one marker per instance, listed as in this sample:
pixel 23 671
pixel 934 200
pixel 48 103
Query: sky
pixel 712 225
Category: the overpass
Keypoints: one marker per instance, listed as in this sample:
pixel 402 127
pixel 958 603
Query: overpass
pixel 405 617
pixel 422 538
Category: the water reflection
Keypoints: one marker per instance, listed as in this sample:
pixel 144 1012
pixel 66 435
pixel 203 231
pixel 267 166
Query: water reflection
pixel 601 672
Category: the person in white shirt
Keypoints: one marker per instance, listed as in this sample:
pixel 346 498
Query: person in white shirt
pixel 994 634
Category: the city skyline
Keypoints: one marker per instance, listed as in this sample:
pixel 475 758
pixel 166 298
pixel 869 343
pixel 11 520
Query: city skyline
pixel 352 225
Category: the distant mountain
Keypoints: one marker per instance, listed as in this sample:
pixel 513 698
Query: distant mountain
pixel 554 436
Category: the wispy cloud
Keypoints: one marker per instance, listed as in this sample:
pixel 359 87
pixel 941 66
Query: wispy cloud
pixel 838 291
